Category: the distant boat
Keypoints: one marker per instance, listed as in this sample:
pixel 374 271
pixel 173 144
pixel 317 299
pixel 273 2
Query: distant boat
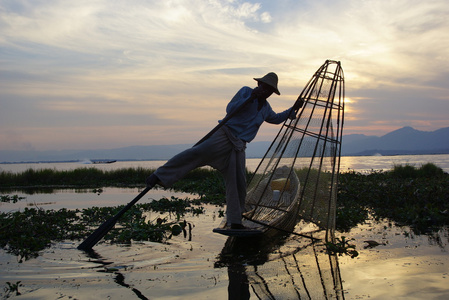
pixel 103 161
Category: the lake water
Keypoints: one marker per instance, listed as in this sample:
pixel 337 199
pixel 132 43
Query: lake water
pixel 356 163
pixel 76 198
pixel 403 266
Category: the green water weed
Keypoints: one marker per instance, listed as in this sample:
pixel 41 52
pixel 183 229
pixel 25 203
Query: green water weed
pixel 341 246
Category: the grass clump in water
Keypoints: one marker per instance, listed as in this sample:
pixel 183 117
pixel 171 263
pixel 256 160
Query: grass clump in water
pixel 417 197
pixel 207 183
pixel 80 177
pixel 406 195
pixel 25 233
pixel 428 170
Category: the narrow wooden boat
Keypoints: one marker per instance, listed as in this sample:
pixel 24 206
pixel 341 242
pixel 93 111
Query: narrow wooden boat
pixel 271 205
pixel 103 161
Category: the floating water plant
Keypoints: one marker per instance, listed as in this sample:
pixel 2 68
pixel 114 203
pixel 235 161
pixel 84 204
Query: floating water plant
pixel 12 288
pixel 419 200
pixel 10 199
pixel 25 233
pixel 341 246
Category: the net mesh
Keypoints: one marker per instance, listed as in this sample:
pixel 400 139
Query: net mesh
pixel 307 274
pixel 276 267
pixel 297 177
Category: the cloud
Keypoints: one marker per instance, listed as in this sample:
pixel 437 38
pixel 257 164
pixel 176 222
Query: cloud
pixel 173 65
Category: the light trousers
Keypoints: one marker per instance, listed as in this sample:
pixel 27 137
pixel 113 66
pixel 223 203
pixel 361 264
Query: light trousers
pixel 222 151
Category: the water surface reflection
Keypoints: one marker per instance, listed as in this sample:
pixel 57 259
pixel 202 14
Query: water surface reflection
pixel 280 268
pixel 82 198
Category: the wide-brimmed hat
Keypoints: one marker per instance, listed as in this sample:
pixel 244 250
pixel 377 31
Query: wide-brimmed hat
pixel 271 79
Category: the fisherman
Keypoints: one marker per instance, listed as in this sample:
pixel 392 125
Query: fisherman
pixel 225 149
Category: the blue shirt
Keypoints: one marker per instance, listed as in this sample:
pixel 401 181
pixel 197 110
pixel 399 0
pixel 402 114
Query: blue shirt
pixel 246 123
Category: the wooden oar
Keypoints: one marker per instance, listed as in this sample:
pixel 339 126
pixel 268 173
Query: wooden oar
pixel 101 231
pixel 108 225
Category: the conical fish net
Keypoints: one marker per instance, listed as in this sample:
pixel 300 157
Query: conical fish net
pixel 297 178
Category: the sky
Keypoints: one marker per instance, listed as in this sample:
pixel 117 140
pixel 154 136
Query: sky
pixel 101 74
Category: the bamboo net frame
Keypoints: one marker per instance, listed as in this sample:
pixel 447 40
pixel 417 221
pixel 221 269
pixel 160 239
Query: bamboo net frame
pixel 297 178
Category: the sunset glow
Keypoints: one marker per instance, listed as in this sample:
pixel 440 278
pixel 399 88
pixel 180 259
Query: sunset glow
pixel 101 74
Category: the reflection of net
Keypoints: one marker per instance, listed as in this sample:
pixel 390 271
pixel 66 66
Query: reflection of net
pixel 297 178
pixel 307 274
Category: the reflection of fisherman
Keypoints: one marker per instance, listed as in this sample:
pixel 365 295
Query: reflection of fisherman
pixel 225 149
pixel 238 288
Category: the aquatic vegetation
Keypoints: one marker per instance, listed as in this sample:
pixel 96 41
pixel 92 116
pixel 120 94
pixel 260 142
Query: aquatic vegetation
pixel 428 170
pixel 12 288
pixel 205 182
pixel 25 233
pixel 80 177
pixel 350 211
pixel 407 195
pixel 9 198
pixel 173 205
pixel 341 246
pixel 137 228
pixel 417 197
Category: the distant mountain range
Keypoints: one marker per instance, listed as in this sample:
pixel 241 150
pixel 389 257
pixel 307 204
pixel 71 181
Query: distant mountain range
pixel 403 141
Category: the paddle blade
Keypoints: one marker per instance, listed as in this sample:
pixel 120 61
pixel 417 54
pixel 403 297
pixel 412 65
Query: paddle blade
pixel 97 235
pixel 108 225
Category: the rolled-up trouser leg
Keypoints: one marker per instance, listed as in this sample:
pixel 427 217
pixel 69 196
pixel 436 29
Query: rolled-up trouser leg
pixel 223 152
pixel 213 151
